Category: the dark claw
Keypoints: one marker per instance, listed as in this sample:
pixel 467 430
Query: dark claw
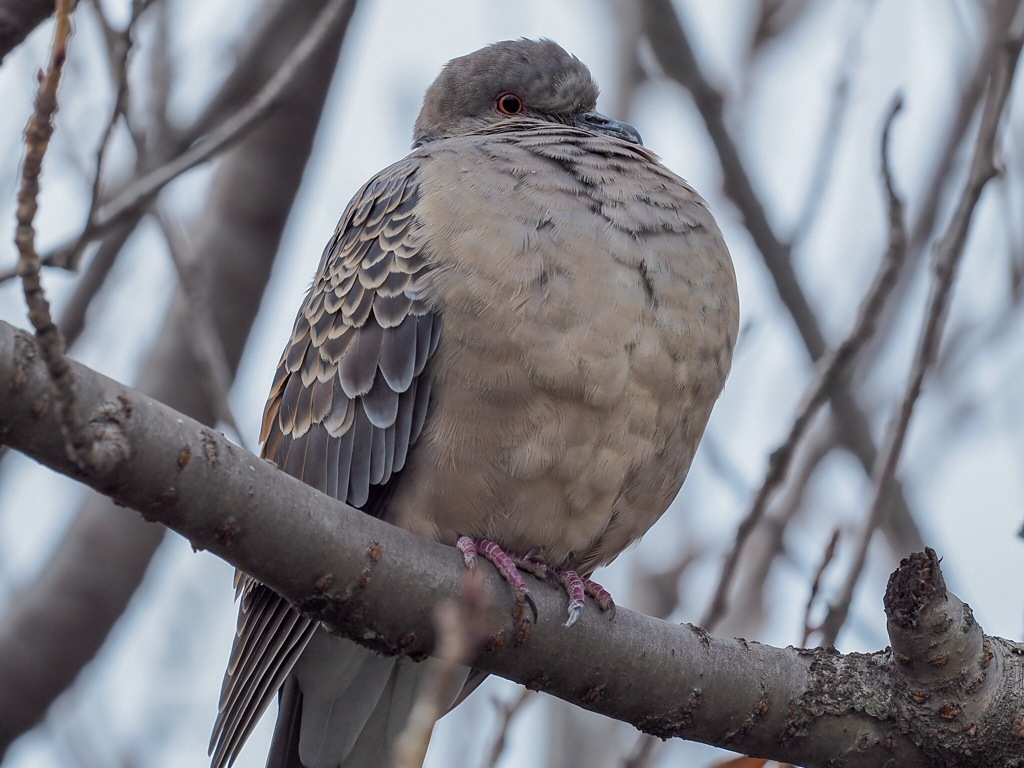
pixel 533 605
pixel 505 563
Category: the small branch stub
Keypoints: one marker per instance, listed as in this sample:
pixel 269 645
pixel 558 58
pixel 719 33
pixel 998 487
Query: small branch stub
pixel 934 635
pixel 956 682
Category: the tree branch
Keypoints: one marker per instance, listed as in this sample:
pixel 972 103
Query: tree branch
pixel 947 256
pixel 672 48
pixel 377 584
pixel 58 623
pixel 142 190
pixel 831 369
pixel 37 140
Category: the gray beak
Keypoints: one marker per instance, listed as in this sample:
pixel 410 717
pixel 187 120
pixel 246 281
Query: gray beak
pixel 595 121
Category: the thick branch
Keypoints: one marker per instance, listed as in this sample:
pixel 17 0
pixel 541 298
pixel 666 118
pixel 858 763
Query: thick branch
pixel 376 583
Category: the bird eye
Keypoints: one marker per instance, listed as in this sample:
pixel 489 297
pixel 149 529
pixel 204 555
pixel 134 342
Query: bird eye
pixel 508 103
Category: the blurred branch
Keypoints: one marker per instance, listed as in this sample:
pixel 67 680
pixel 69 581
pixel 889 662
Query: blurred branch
pixel 826 560
pixel 946 259
pixel 160 79
pixel 119 46
pixel 998 14
pixel 140 191
pixel 830 370
pixel 805 706
pixel 214 371
pixel 775 18
pixel 250 74
pixel 463 625
pixel 832 131
pixel 672 48
pixel 508 712
pixel 18 18
pixel 59 622
pixel 750 600
pixel 92 279
pixel 644 753
pixel 628 29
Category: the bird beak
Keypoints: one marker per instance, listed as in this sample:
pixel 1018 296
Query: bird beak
pixel 595 121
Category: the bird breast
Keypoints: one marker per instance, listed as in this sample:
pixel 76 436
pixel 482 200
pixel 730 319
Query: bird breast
pixel 589 311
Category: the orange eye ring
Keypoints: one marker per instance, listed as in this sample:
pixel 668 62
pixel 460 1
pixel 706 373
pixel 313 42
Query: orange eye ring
pixel 507 103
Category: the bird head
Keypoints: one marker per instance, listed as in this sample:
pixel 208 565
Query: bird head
pixel 508 86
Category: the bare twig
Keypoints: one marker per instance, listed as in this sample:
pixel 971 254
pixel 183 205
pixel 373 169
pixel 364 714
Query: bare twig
pixel 826 560
pixel 675 53
pixel 37 139
pixel 508 712
pixel 141 191
pixel 120 46
pixel 749 603
pixel 971 91
pixel 833 128
pixel 831 368
pixel 945 261
pixel 999 15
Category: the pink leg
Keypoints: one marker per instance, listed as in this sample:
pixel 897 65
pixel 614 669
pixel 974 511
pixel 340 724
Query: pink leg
pixel 505 564
pixel 600 594
pixel 577 587
pixel 573 585
pixel 509 566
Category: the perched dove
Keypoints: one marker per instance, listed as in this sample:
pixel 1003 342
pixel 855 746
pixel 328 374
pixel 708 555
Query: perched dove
pixel 512 344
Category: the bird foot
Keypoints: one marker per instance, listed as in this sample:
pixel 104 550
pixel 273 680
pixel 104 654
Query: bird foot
pixel 577 588
pixel 505 563
pixel 510 567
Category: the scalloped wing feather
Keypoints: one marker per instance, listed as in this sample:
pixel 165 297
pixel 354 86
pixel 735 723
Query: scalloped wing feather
pixel 347 402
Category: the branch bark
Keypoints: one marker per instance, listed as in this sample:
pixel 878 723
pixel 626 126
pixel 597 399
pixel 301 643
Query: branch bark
pixel 949 692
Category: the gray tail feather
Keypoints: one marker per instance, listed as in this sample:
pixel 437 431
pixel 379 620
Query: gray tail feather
pixel 284 748
pixel 343 706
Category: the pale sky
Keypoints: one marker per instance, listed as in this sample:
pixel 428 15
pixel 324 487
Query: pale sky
pixel 151 695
